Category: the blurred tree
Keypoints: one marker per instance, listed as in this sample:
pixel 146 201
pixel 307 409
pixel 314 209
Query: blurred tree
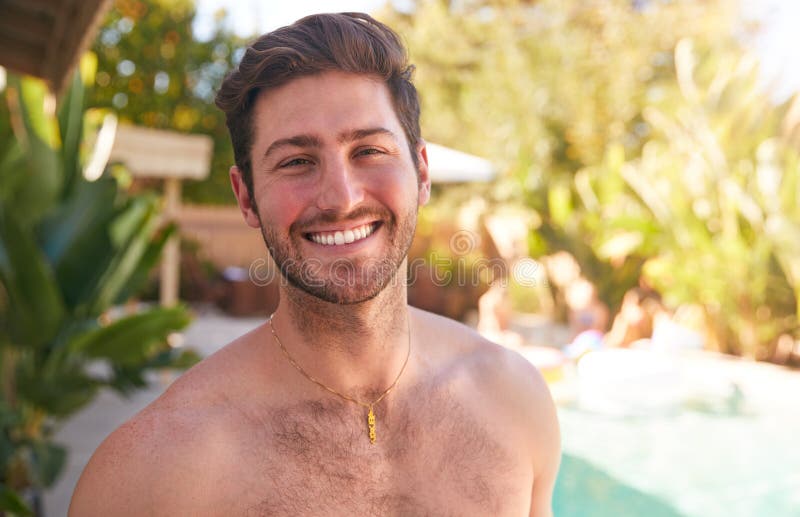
pixel 543 88
pixel 720 181
pixel 576 100
pixel 153 72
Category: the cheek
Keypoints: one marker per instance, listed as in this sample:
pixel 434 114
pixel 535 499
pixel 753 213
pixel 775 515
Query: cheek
pixel 279 205
pixel 393 189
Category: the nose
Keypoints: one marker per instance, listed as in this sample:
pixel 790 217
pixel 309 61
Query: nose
pixel 340 188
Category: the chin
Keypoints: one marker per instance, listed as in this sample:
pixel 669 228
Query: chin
pixel 342 292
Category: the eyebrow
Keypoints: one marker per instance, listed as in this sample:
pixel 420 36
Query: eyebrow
pixel 316 142
pixel 293 141
pixel 357 134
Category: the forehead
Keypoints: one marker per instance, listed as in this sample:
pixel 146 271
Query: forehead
pixel 323 105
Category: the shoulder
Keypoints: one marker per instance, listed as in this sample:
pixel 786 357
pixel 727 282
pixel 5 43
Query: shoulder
pixel 513 391
pixel 154 464
pixel 172 454
pixel 123 474
pixel 490 364
pixel 504 384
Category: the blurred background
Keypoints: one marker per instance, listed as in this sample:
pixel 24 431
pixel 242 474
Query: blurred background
pixel 615 189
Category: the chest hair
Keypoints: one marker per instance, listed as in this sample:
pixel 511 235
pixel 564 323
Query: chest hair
pixel 431 450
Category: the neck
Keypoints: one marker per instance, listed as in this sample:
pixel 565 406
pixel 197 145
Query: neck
pixel 356 348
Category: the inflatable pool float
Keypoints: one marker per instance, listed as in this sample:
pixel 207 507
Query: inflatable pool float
pixel 549 361
pixel 629 382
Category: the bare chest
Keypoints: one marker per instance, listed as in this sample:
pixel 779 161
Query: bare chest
pixel 435 458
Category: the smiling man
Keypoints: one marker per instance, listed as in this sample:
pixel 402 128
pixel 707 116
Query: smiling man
pixel 346 401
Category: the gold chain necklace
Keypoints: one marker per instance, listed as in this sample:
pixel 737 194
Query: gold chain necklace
pixel 371 414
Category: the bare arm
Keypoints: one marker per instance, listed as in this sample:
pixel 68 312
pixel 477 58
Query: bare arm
pixel 167 460
pixel 114 481
pixel 547 452
pixel 149 466
pixel 526 394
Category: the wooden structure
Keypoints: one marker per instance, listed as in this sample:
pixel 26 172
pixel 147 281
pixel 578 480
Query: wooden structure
pixel 45 38
pixel 172 156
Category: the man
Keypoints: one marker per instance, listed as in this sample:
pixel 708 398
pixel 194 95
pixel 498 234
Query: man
pixel 347 401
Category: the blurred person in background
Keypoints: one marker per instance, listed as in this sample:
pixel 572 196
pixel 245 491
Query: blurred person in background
pixel 635 319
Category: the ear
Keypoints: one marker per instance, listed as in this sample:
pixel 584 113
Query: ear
pixel 424 179
pixel 246 205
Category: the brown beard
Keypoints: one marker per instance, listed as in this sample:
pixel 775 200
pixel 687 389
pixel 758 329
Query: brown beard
pixel 344 281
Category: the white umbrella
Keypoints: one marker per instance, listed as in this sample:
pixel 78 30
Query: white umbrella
pixel 447 165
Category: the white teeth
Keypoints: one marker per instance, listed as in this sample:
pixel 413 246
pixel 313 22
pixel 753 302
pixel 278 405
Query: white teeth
pixel 342 237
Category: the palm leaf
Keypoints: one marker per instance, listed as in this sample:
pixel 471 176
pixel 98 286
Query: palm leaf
pixel 131 234
pixel 36 308
pixel 11 502
pixel 76 235
pixel 132 339
pixel 70 123
pixel 38 136
pixel 150 258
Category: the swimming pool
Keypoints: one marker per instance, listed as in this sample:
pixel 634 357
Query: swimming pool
pixel 700 459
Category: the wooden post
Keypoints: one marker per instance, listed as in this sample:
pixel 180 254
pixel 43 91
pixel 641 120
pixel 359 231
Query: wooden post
pixel 158 153
pixel 171 260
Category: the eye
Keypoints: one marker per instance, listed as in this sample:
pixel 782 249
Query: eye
pixel 367 151
pixel 295 162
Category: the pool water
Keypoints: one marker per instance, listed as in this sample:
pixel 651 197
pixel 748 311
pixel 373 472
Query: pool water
pixel 738 458
pixel 584 490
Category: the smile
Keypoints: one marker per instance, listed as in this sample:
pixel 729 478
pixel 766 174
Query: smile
pixel 342 237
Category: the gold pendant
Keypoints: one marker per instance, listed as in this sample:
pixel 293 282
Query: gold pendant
pixel 371 425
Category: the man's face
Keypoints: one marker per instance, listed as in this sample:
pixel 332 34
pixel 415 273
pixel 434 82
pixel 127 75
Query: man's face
pixel 335 191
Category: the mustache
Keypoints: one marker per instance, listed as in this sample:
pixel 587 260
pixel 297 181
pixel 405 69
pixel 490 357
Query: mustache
pixel 331 217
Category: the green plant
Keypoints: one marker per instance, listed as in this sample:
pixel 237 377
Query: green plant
pixel 154 71
pixel 722 185
pixel 70 250
pixel 711 203
pixel 542 89
pixel 641 156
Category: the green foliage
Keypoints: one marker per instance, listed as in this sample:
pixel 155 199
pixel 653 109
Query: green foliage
pixel 637 135
pixel 11 502
pixel 721 185
pixel 36 173
pixel 542 90
pixel 153 72
pixel 67 255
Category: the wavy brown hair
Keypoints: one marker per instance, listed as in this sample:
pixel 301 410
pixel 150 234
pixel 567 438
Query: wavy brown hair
pixel 346 42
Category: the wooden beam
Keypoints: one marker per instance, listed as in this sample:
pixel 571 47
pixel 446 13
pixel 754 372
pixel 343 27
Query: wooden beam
pixel 45 38
pixel 48 7
pixel 20 57
pixel 81 32
pixel 26 26
pixel 52 56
